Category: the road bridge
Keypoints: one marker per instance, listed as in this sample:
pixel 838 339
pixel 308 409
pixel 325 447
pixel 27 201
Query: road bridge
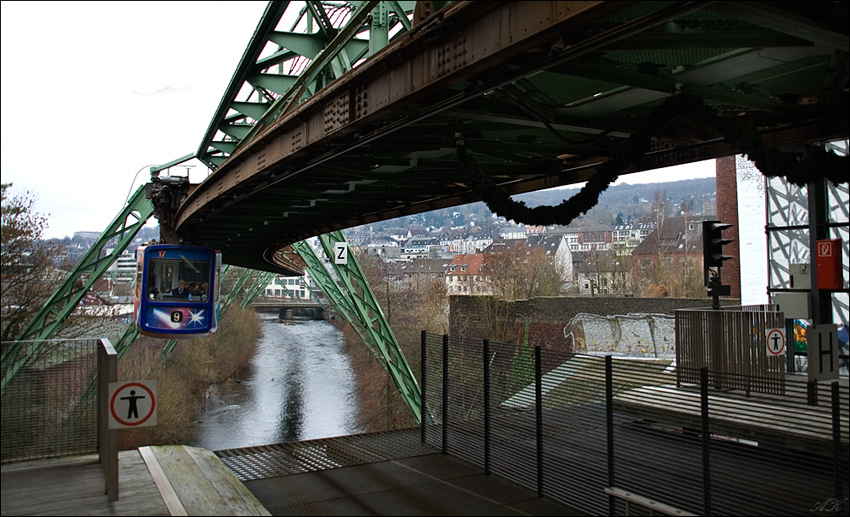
pixel 276 303
pixel 286 307
pixel 482 100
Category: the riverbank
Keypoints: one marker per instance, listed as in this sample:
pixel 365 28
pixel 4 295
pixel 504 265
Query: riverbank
pixel 185 378
pixel 298 386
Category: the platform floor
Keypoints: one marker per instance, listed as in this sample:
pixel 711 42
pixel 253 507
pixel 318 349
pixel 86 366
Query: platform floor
pixel 422 482
pixel 421 485
pixel 75 486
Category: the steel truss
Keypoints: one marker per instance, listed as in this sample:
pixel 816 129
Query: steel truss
pixel 360 308
pixel 281 68
pixel 62 303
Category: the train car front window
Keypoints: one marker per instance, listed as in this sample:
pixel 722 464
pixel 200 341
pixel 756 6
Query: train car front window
pixel 178 279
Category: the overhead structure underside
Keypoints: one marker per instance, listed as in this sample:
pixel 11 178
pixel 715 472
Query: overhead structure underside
pixel 539 93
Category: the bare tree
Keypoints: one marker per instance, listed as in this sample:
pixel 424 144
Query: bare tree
pixel 522 272
pixel 28 276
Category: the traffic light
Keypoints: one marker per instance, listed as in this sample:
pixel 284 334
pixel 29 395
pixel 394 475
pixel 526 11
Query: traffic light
pixel 713 257
pixel 712 244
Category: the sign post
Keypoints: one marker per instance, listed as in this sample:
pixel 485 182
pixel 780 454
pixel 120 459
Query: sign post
pixel 132 404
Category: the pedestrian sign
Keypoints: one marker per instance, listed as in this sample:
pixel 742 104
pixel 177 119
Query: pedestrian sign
pixel 775 341
pixel 132 404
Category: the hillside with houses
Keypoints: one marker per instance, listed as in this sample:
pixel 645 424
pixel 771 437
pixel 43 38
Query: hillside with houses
pixel 641 240
pixel 655 250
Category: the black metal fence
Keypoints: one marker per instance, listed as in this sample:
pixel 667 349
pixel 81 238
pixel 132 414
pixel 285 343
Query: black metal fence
pixel 570 426
pixel 49 409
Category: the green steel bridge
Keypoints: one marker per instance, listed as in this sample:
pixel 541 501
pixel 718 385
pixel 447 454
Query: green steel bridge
pixel 340 114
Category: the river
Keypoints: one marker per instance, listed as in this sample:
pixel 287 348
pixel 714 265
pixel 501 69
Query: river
pixel 299 386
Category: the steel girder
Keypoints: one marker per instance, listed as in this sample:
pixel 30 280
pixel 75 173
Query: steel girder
pixel 540 93
pixel 360 308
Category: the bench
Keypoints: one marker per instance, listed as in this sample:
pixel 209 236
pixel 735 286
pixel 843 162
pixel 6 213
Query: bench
pixel 654 506
pixel 789 425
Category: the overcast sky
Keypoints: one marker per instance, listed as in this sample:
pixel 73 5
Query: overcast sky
pixel 94 92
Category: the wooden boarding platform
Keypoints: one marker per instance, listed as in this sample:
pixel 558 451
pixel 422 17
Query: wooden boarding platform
pixel 794 426
pixel 194 481
pixel 161 480
pixel 76 486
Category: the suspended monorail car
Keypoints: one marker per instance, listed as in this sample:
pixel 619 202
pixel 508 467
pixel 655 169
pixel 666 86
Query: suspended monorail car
pixel 177 291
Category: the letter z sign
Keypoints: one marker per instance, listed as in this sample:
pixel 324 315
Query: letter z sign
pixel 340 253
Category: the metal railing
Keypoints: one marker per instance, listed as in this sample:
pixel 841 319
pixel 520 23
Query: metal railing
pixel 569 426
pixel 732 342
pixel 56 406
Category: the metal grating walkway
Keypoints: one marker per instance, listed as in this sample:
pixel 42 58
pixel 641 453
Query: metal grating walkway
pixel 252 463
pixel 391 473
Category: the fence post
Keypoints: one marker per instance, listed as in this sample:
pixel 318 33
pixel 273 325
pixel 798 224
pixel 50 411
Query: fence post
pixel 836 446
pixel 422 410
pixel 538 410
pixel 445 392
pixel 812 392
pixel 609 427
pixel 706 441
pixel 107 439
pixel 790 363
pixel 486 354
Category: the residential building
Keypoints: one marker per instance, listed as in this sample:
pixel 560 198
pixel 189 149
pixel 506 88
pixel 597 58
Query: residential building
pixel 512 233
pixel 602 272
pixel 625 238
pixel 557 252
pixel 421 273
pixel 470 245
pixel 671 257
pixel 467 275
pixel 587 235
pixel 421 247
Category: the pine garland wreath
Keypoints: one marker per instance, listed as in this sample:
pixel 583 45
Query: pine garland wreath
pixel 741 136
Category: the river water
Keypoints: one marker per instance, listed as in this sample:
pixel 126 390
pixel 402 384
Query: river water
pixel 299 386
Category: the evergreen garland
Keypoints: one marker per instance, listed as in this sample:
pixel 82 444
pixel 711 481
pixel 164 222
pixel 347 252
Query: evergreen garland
pixel 742 137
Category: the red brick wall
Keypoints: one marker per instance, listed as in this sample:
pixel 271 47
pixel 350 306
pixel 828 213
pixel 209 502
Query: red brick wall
pixel 727 212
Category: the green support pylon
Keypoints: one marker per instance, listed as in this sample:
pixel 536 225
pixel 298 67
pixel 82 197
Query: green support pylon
pixel 361 309
pixel 62 303
pixel 334 294
pixel 259 285
pixel 244 276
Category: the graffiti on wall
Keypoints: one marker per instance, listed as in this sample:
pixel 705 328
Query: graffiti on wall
pixel 638 335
